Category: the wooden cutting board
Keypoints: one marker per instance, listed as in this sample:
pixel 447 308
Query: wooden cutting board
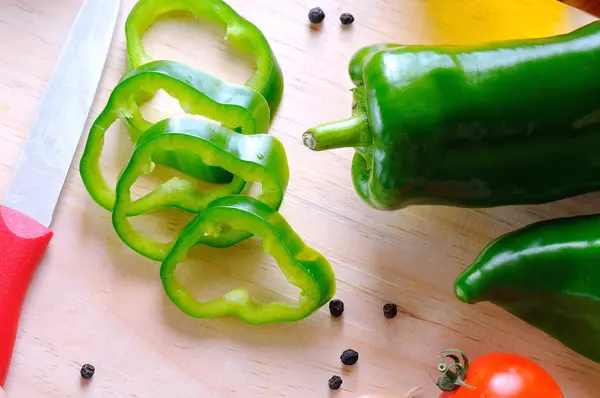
pixel 94 300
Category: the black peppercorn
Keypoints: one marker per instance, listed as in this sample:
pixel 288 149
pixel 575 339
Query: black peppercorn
pixel 390 310
pixel 316 15
pixel 346 18
pixel 335 382
pixel 349 357
pixel 336 307
pixel 87 371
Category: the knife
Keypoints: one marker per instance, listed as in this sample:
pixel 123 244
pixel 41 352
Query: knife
pixel 45 160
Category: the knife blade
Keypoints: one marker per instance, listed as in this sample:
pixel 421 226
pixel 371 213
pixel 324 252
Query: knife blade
pixel 45 160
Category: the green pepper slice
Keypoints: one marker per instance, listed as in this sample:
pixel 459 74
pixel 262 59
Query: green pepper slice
pixel 241 33
pixel 199 93
pixel 302 266
pixel 259 158
pixel 251 116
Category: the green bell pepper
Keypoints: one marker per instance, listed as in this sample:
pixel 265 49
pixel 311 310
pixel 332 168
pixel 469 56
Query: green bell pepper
pixel 199 93
pixel 256 158
pixel 547 274
pixel 241 33
pixel 302 266
pixel 473 126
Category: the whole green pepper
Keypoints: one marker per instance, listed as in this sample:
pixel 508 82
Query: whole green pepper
pixel 513 122
pixel 198 93
pixel 253 158
pixel 547 274
pixel 241 33
pixel 302 266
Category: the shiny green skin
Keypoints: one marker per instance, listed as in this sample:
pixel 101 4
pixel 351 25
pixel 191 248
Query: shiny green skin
pixel 250 158
pixel 241 34
pixel 232 105
pixel 237 107
pixel 513 122
pixel 302 266
pixel 547 274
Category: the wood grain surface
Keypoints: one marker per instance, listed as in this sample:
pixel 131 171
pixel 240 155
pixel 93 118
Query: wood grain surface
pixel 94 300
pixel 590 6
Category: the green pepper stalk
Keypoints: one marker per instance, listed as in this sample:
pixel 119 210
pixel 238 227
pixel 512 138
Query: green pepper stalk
pixel 302 266
pixel 241 33
pixel 199 93
pixel 256 158
pixel 547 274
pixel 496 124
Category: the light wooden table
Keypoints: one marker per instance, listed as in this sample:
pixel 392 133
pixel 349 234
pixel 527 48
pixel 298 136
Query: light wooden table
pixel 93 300
pixel 590 6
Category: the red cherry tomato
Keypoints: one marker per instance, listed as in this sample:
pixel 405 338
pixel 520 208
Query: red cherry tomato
pixel 506 376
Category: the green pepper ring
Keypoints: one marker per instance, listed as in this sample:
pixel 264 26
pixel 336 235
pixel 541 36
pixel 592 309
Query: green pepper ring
pixel 254 105
pixel 241 34
pixel 259 158
pixel 233 105
pixel 302 266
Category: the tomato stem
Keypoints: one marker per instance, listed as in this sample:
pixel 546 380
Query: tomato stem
pixel 455 373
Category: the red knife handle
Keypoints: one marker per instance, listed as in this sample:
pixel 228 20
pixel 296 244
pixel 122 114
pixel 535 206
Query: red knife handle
pixel 23 242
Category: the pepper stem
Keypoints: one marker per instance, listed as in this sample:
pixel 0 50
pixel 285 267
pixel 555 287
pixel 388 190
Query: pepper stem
pixel 347 133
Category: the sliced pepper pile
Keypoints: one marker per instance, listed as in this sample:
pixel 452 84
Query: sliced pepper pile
pixel 234 152
pixel 260 158
pixel 199 93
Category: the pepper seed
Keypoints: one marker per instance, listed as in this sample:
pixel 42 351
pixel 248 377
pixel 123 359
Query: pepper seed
pixel 316 15
pixel 390 310
pixel 87 371
pixel 335 382
pixel 346 18
pixel 336 307
pixel 349 357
